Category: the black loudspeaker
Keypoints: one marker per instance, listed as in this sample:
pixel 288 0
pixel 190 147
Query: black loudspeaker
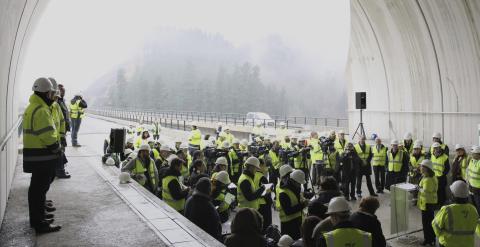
pixel 361 100
pixel 117 140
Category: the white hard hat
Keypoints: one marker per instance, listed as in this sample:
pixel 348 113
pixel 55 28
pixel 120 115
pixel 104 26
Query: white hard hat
pixel 427 163
pixel 149 140
pixel 436 145
pixel 193 123
pixel 183 146
pixel 285 241
pixel 127 151
pixel 54 84
pixel 332 132
pixel 337 205
pixel 110 161
pixel 420 142
pixel 417 145
pixel 132 155
pixel 459 189
pixel 144 147
pixel 244 142
pixel 282 123
pixel 341 132
pixel 476 150
pixel 42 85
pixel 130 140
pixel 253 161
pixel 223 177
pixel 437 135
pixel 165 148
pixel 227 128
pixel 236 141
pixel 459 146
pixel 221 161
pixel 408 136
pixel 298 176
pixel 284 170
pixel 219 123
pixel 124 177
pixel 258 139
pixel 394 142
pixel 211 138
pixel 225 144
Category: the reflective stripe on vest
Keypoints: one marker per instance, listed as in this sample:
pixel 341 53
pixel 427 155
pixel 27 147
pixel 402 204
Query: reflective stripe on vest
pixel 350 237
pixel 473 173
pixel 438 164
pixel 429 193
pixel 223 205
pixel 363 155
pixel 379 156
pixel 167 197
pixel 139 169
pixel 76 111
pixel 256 180
pixel 275 159
pixel 242 201
pixel 395 164
pixel 459 222
pixel 416 163
pixel 293 202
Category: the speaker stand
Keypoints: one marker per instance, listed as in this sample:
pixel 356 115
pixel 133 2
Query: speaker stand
pixel 360 130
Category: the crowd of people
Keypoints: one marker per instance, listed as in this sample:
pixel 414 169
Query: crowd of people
pixel 222 174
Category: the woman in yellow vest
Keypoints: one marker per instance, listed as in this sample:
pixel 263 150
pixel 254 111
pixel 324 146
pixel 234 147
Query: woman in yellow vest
pixel 292 205
pixel 173 192
pixel 143 169
pixel 460 163
pixel 219 191
pixel 248 193
pixel 427 200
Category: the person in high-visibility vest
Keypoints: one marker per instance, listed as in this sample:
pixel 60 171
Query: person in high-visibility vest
pixel 229 137
pixel 195 139
pixel 408 142
pixel 173 192
pixel 317 157
pixel 60 125
pixel 340 142
pixel 143 170
pixel 61 173
pixel 284 175
pixel 456 224
pixel 157 127
pixel 221 164
pixel 265 201
pixel 41 153
pixel 397 168
pixel 236 157
pixel 142 139
pixel 302 159
pixel 344 234
pixel 379 162
pixel 248 193
pixel 437 138
pixel 416 158
pixel 272 159
pixel 427 200
pixel 473 176
pixel 77 112
pixel 292 204
pixel 441 167
pixel 460 163
pixel 219 191
pixel 364 151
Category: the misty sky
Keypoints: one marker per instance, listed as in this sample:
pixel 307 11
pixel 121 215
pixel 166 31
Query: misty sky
pixel 78 41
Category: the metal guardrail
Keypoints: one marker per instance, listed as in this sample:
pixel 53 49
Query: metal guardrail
pixel 10 132
pixel 224 118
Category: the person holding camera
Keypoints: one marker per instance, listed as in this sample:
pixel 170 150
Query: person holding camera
pixel 77 111
pixel 302 159
pixel 350 167
pixel 364 151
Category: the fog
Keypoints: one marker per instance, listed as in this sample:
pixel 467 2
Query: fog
pixel 297 49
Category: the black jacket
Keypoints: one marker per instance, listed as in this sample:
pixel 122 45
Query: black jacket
pixel 246 230
pixel 200 210
pixel 285 200
pixel 66 116
pixel 317 207
pixel 174 187
pixel 369 223
pixel 350 164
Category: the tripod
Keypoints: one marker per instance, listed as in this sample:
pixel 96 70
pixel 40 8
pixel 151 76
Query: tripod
pixel 360 130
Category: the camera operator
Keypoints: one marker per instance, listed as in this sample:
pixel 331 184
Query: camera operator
pixel 236 157
pixel 350 167
pixel 302 159
pixel 210 154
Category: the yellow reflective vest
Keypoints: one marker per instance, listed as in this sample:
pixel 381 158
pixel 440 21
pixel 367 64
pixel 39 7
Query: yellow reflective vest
pixel 242 201
pixel 339 146
pixel 428 192
pixel 455 225
pixel 224 206
pixel 294 200
pixel 351 237
pixel 473 173
pixel 178 205
pixel 275 159
pixel 39 132
pixel 257 181
pixel 140 169
pixel 58 119
pixel 363 155
pixel 195 137
pixel 379 156
pixel 76 111
pixel 438 164
pixel 395 164
pixel 235 161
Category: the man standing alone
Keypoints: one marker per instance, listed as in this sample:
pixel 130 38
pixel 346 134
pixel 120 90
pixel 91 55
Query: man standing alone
pixel 76 114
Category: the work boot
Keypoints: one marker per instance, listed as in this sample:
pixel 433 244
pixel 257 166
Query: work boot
pixel 63 175
pixel 50 209
pixel 48 204
pixel 49 216
pixel 76 145
pixel 48 201
pixel 47 228
pixel 49 221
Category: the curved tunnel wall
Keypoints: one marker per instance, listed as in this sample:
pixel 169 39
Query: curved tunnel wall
pixel 419 62
pixel 17 17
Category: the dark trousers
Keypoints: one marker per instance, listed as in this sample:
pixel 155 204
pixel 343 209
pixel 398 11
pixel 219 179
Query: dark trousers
pixel 156 137
pixel 427 218
pixel 476 201
pixel 369 184
pixel 348 184
pixel 266 211
pixel 317 171
pixel 292 228
pixel 379 172
pixel 75 128
pixel 273 177
pixel 39 185
pixel 441 192
pixel 60 169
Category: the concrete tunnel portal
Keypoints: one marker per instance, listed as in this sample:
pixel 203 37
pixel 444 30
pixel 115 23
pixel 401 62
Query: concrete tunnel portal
pixel 418 61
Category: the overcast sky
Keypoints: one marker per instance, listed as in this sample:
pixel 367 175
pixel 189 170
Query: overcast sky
pixel 76 41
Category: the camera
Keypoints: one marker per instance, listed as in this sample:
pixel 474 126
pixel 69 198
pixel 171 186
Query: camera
pixel 257 150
